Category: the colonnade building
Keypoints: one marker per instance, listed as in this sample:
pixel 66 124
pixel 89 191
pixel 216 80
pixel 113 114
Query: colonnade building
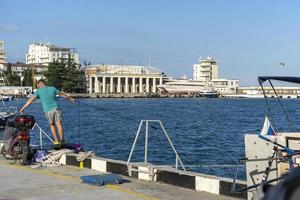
pixel 123 79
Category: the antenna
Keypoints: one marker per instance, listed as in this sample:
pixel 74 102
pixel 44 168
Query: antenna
pixel 149 59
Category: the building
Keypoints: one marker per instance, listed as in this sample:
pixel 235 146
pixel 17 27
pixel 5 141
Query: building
pixel 19 68
pixel 225 86
pixel 123 79
pixel 205 70
pixel 256 92
pixel 205 77
pixel 45 53
pixel 2 53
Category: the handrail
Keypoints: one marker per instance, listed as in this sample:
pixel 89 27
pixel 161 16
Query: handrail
pixel 41 132
pixel 177 158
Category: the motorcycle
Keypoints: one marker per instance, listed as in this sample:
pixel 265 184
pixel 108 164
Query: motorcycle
pixel 16 138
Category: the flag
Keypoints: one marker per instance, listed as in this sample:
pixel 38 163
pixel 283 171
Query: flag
pixel 267 129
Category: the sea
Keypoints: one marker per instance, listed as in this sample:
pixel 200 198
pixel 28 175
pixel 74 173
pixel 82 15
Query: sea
pixel 208 134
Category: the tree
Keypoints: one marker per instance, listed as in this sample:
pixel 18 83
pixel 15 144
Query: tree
pixel 55 74
pixel 86 63
pixel 66 76
pixel 27 80
pixel 10 78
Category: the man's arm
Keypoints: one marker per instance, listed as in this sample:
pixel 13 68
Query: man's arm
pixel 66 96
pixel 28 102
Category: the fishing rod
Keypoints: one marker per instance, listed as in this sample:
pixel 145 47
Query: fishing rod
pixel 111 113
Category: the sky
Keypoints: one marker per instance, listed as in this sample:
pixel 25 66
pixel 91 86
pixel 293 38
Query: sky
pixel 247 38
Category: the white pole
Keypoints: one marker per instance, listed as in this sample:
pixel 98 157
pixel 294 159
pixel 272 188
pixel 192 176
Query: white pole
pixel 146 143
pixel 135 140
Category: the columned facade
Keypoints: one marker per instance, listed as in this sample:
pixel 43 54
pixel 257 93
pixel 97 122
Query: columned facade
pixel 121 84
pixel 120 79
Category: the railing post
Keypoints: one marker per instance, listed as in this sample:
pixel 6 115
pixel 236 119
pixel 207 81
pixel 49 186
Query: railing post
pixel 41 139
pixel 177 158
pixel 135 140
pixel 146 142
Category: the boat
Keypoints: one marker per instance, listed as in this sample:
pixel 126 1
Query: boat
pixel 272 155
pixel 209 93
pixel 181 86
pixel 190 87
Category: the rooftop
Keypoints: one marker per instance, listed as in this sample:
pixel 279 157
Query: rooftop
pixel 124 69
pixel 48 44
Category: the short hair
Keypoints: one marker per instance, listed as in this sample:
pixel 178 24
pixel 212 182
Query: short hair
pixel 41 80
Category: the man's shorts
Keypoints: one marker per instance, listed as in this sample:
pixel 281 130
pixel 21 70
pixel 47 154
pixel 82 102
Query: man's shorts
pixel 53 116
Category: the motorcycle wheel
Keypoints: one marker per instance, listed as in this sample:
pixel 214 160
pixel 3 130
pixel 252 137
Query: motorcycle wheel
pixel 20 153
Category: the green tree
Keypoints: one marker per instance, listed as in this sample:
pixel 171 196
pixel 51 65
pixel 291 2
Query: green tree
pixel 27 80
pixel 66 76
pixel 10 78
pixel 55 74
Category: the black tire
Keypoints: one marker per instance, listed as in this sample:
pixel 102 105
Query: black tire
pixel 21 152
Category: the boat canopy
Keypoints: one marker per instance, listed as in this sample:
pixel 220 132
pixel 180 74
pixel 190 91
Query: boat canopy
pixel 290 79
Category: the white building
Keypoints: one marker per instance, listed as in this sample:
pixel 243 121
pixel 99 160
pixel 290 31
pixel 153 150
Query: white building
pixel 123 79
pixel 19 68
pixel 256 92
pixel 45 53
pixel 225 86
pixel 2 52
pixel 205 70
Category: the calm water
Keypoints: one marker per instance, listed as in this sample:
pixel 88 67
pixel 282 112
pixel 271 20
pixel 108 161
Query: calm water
pixel 204 131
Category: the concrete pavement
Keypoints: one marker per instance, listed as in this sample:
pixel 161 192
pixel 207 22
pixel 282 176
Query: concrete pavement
pixel 19 182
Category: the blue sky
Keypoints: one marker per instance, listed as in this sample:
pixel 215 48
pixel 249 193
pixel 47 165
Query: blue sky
pixel 248 38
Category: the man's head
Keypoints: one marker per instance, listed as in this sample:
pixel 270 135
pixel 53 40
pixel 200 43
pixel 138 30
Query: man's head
pixel 41 83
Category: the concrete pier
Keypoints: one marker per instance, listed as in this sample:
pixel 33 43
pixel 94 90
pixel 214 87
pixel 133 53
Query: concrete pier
pixel 23 182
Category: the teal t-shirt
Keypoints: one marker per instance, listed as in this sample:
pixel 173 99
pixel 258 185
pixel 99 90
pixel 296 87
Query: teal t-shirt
pixel 47 97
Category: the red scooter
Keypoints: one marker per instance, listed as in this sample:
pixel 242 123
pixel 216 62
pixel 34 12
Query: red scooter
pixel 16 138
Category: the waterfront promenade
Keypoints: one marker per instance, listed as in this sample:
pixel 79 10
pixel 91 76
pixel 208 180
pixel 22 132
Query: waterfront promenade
pixel 22 182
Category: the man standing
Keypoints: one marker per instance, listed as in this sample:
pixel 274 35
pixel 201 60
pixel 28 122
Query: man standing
pixel 47 96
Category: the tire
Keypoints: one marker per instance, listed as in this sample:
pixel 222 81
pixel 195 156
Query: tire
pixel 21 152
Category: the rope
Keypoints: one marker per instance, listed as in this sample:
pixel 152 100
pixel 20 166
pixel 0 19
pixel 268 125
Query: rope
pixel 111 113
pixel 52 159
pixel 84 155
pixel 106 110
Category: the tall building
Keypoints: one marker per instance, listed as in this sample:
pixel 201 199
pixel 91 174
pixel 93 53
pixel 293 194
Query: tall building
pixel 123 79
pixel 45 53
pixel 2 52
pixel 205 70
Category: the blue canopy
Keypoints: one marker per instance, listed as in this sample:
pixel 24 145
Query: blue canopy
pixel 290 79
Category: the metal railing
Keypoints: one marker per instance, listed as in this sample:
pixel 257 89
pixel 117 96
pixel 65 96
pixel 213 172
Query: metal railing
pixel 41 133
pixel 146 122
pixel 8 110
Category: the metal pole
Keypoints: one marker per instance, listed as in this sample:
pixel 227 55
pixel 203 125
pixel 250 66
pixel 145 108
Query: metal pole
pixel 41 139
pixel 170 142
pixel 269 108
pixel 291 126
pixel 135 140
pixel 176 162
pixel 146 142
